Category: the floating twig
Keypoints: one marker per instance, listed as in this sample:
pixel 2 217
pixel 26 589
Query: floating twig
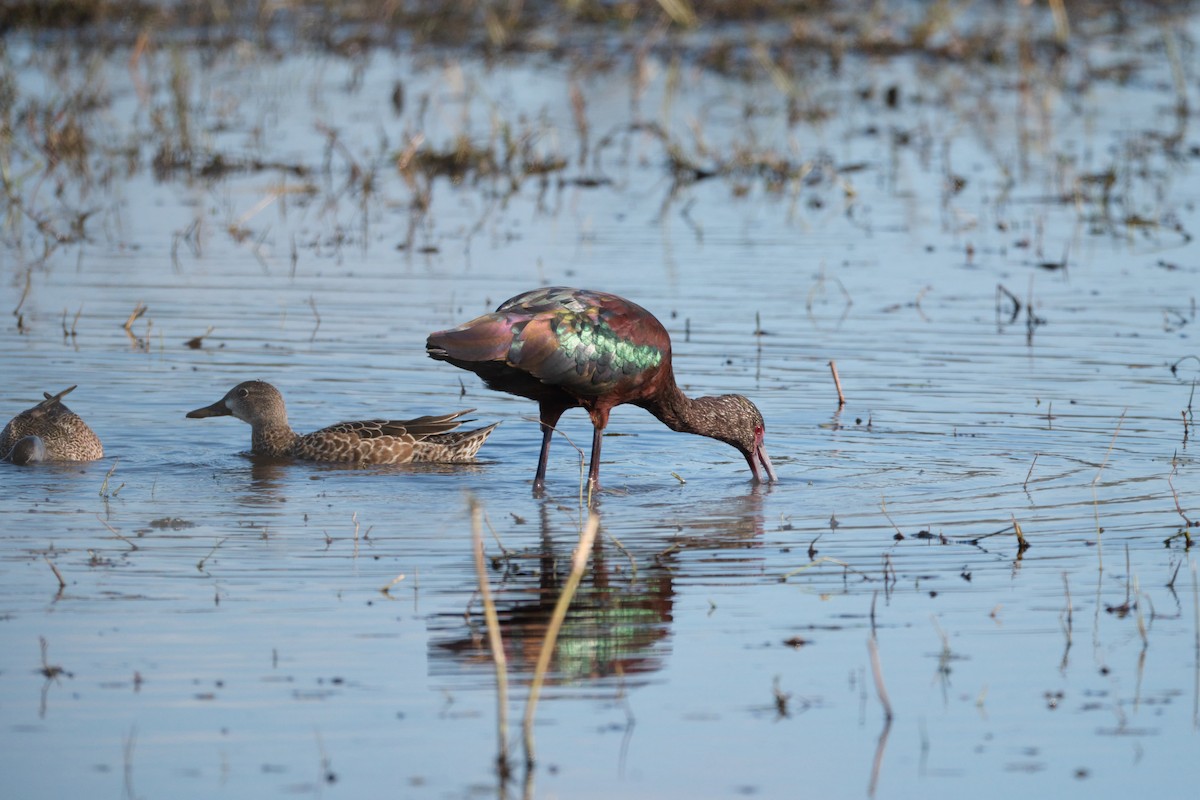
pixel 824 560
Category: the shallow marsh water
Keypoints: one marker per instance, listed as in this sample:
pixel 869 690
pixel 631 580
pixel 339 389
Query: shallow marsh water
pixel 222 627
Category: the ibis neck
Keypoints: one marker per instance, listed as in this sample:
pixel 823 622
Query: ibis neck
pixel 682 413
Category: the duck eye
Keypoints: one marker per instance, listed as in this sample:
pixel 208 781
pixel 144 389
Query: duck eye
pixel 243 392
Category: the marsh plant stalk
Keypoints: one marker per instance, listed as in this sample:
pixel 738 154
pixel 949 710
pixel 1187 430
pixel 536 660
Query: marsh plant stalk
pixel 495 642
pixel 62 584
pixel 837 383
pixel 578 565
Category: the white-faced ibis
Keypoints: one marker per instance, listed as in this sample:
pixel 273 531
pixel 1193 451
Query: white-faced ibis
pixel 375 441
pixel 570 347
pixel 49 432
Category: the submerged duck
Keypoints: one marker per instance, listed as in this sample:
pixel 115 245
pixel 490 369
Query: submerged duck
pixel 374 441
pixel 49 432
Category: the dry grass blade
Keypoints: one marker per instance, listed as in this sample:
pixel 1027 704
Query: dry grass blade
pixel 386 590
pixel 578 564
pixel 138 311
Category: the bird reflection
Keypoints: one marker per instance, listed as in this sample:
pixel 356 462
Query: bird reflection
pixel 619 623
pixel 269 475
pixel 266 481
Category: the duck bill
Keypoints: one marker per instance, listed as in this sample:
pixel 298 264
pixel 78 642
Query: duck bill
pixel 759 456
pixel 217 409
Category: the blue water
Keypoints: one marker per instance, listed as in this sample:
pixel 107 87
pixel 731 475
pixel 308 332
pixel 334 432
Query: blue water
pixel 223 628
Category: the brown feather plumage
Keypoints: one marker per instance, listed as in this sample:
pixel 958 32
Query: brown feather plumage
pixel 567 348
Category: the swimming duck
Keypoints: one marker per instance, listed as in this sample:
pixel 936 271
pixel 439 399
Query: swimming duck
pixel 373 441
pixel 49 432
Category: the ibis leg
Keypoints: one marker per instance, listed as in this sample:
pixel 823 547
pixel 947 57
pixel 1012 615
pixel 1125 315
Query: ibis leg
pixel 594 470
pixel 549 418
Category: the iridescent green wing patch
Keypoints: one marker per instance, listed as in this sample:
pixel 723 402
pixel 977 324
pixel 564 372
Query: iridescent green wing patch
pixel 580 352
pixel 598 351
